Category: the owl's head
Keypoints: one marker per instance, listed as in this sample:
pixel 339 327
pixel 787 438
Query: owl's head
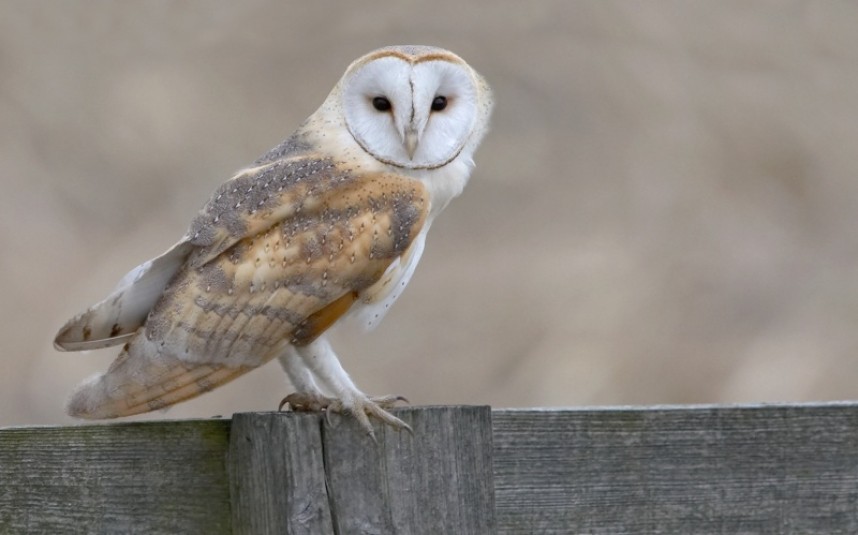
pixel 415 107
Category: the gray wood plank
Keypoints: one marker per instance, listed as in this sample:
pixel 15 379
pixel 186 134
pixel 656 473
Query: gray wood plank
pixel 437 481
pixel 152 477
pixel 277 477
pixel 769 469
pixel 774 469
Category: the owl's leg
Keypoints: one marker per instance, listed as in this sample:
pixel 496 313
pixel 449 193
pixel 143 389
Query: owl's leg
pixel 308 396
pixel 321 360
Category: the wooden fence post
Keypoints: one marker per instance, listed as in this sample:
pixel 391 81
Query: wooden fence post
pixel 276 474
pixel 295 473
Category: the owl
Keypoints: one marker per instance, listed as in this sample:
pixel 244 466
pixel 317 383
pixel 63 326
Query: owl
pixel 329 224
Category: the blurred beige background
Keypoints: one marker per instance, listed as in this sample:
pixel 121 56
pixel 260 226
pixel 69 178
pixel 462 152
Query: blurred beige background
pixel 666 210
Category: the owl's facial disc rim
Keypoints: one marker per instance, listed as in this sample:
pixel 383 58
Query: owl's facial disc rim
pixel 402 165
pixel 397 163
pixel 374 128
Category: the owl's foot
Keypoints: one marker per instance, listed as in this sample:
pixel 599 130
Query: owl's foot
pixel 305 402
pixel 362 408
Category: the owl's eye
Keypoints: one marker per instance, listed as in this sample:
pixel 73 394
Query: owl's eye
pixel 439 103
pixel 381 104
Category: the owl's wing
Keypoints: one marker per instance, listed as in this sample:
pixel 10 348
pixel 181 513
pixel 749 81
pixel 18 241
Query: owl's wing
pixel 271 266
pixel 235 211
pixel 278 263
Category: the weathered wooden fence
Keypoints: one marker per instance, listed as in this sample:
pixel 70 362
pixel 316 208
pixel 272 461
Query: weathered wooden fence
pixel 762 469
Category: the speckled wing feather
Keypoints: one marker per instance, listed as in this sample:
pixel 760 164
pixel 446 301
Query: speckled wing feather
pixel 280 252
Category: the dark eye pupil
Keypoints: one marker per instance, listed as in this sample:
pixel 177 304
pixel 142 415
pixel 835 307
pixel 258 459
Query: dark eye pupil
pixel 381 104
pixel 439 103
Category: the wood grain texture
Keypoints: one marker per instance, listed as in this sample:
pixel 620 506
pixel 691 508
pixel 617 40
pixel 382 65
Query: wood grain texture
pixel 152 477
pixel 297 473
pixel 277 476
pixel 768 469
pixel 437 481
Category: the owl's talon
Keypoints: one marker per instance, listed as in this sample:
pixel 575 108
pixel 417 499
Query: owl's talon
pixel 335 406
pixel 376 407
pixel 389 402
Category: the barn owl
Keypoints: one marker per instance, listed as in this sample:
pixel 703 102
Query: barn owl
pixel 328 224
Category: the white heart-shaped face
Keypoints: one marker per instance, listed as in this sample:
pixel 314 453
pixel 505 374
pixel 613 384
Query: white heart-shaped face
pixel 417 116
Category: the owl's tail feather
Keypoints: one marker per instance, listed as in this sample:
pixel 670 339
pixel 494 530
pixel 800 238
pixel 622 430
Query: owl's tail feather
pixel 116 319
pixel 137 383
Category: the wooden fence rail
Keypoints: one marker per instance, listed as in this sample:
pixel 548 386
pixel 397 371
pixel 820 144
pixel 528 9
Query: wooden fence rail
pixel 754 469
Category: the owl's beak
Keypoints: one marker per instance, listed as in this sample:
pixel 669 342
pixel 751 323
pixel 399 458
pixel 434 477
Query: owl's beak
pixel 411 142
